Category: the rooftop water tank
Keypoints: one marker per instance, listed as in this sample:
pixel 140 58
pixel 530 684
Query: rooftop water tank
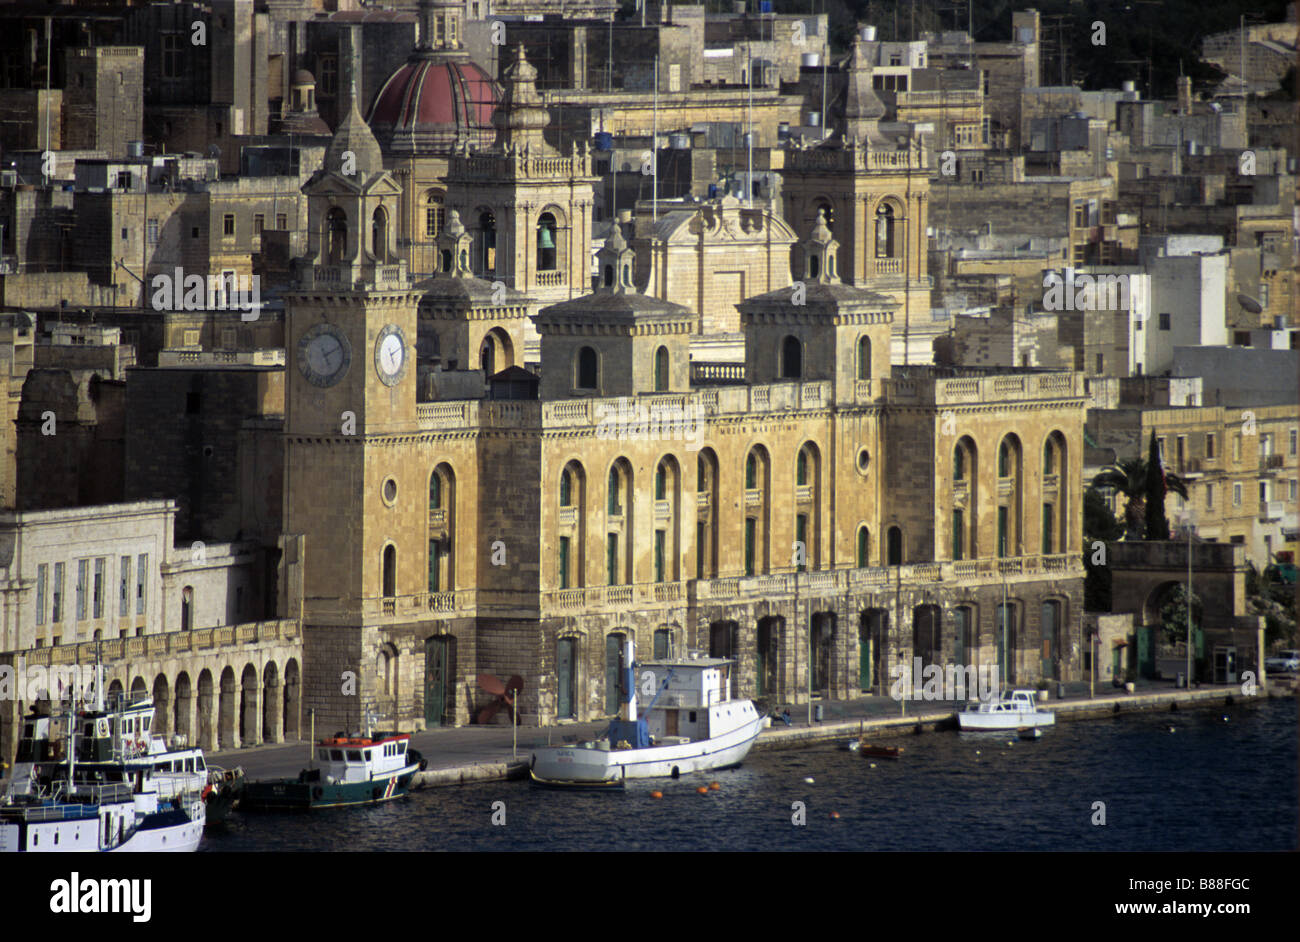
pixel 869 34
pixel 810 60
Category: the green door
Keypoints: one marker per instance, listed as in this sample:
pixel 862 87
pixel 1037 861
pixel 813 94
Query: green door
pixel 864 652
pixel 564 678
pixel 1051 654
pixel 613 661
pixel 435 681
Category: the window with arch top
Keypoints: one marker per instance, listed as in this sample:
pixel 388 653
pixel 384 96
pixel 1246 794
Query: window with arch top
pixel 864 357
pixel 588 369
pixel 661 369
pixel 546 231
pixel 791 358
pixel 885 243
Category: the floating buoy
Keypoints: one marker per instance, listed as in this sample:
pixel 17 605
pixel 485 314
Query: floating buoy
pixel 835 815
pixel 873 765
pixel 714 786
pixel 656 794
pixel 1225 717
pixel 808 781
pixel 977 752
pixel 703 790
pixel 1171 729
pixel 1010 742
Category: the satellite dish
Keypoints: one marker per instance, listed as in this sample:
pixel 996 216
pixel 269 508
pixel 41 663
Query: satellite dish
pixel 1250 304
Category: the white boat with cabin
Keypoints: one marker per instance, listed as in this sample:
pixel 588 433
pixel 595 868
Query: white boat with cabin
pixel 1016 710
pixel 691 725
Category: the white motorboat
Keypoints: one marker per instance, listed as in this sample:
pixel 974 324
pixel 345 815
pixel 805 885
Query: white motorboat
pixel 1015 710
pixel 691 725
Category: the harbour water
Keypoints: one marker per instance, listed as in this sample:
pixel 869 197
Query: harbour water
pixel 1218 779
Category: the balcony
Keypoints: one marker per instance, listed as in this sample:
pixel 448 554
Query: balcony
pixel 663 511
pixel 549 279
pixel 437 519
pixel 568 516
pixel 420 605
pixel 889 266
pixel 803 493
pixel 1270 462
pixel 753 497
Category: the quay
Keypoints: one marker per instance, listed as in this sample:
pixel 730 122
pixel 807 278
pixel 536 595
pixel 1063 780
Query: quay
pixel 462 755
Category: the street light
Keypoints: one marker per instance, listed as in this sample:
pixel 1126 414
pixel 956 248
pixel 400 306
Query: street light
pixel 1189 521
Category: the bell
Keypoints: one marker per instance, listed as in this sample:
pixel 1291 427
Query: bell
pixel 546 240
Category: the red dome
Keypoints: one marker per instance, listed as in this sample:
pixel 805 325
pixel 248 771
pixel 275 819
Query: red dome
pixel 430 104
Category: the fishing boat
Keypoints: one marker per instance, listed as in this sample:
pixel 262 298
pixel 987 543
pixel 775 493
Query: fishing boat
pixel 96 779
pixel 362 770
pixel 691 725
pixel 1009 711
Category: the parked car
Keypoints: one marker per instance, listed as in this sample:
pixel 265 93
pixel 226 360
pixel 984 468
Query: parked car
pixel 1285 661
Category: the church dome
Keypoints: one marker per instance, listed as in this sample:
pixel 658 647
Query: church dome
pixel 432 104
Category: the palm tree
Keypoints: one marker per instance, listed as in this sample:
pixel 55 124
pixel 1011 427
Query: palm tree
pixel 1129 478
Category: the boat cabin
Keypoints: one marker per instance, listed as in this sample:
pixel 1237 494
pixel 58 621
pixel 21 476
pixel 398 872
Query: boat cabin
pixel 1018 701
pixel 362 759
pixel 685 692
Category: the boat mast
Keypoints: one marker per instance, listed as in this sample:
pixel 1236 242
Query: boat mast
pixel 1006 655
pixel 629 680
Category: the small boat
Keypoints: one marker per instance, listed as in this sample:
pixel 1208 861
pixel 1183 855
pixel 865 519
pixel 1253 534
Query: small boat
pixel 1007 712
pixel 617 785
pixel 879 752
pixel 691 725
pixel 1030 733
pixel 222 792
pixel 359 770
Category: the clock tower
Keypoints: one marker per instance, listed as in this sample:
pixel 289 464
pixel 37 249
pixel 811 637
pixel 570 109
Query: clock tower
pixel 350 413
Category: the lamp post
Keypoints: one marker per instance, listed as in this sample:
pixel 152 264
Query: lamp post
pixel 1190 522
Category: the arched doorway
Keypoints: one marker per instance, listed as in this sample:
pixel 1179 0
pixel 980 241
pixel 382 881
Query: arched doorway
pixel 768 656
pixel 183 708
pixel 439 674
pixel 161 704
pixel 206 719
pixel 272 703
pixel 566 678
pixel 822 645
pixel 292 702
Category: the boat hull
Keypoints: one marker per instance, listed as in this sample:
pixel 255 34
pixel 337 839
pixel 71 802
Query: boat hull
pixel 970 721
pixel 171 832
pixel 299 795
pixel 579 764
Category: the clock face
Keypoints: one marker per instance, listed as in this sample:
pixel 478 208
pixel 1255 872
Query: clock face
pixel 324 355
pixel 390 355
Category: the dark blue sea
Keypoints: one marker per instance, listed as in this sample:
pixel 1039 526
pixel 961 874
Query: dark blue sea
pixel 1221 779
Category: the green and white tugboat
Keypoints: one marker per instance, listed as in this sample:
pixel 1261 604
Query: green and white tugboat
pixel 363 770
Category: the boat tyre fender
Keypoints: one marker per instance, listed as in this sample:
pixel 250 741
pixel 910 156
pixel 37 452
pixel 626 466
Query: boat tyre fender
pixel 424 763
pixel 317 792
pixel 376 792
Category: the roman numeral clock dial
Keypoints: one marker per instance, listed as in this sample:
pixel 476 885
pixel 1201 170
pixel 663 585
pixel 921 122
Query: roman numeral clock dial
pixel 390 355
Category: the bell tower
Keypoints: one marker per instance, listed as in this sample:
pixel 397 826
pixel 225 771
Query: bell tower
pixel 526 203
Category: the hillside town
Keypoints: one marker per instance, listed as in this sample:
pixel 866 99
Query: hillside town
pixel 356 351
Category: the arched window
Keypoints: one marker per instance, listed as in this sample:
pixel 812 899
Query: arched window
pixel 336 231
pixel 487 357
pixel 444 260
pixel 864 547
pixel 828 213
pixel 566 488
pixel 864 357
pixel 627 275
pixel 390 571
pixel 751 472
pixel 588 369
pixel 814 265
pixel 791 358
pixel 379 234
pixel 885 231
pixel 615 506
pixel 487 225
pixel 546 242
pixel 895 547
pixel 1004 459
pixel 435 491
pixel 661 482
pixel 187 608
pixel 661 369
pixel 434 215
pixel 1049 457
pixel 801 468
